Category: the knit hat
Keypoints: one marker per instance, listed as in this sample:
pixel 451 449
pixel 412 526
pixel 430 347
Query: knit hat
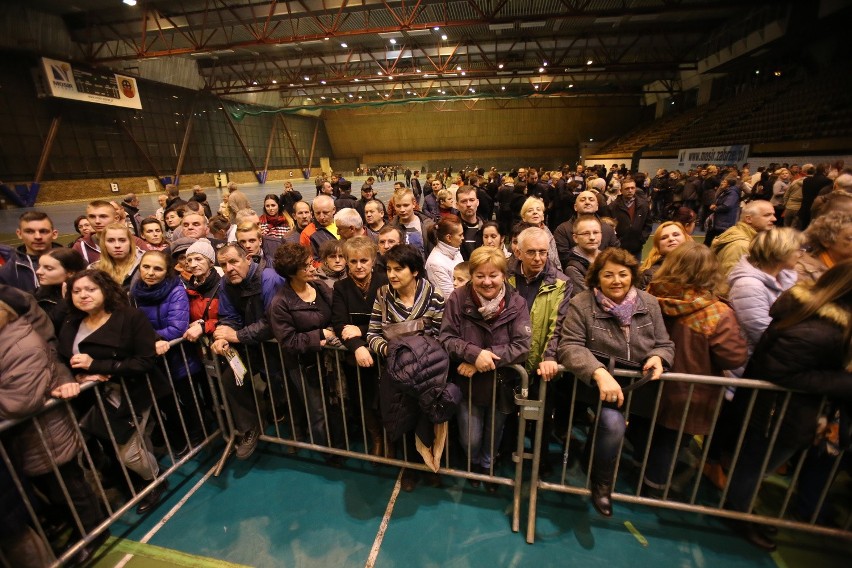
pixel 180 246
pixel 204 248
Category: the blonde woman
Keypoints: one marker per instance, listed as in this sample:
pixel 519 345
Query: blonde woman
pixel 532 211
pixel 119 254
pixel 668 236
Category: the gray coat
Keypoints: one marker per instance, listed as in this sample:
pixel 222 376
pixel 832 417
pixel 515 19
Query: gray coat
pixel 587 327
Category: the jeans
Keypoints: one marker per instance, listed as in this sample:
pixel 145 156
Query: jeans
pixel 475 432
pixel 610 432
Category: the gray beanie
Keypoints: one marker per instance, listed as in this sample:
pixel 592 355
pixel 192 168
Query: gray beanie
pixel 204 248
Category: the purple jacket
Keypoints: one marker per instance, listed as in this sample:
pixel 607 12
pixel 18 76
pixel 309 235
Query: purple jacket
pixel 464 334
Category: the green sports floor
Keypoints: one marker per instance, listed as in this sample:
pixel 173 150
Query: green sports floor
pixel 278 510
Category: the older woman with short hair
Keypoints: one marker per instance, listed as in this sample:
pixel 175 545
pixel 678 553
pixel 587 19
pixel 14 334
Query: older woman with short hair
pixel 485 328
pixel 611 319
pixel 352 306
pixel 830 239
pixel 533 211
pixel 758 279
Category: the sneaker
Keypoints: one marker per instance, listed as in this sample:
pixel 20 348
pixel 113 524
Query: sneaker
pixel 246 447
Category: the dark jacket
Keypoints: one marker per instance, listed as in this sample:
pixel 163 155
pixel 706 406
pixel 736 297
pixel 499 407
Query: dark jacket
pixel 297 325
pixel 345 201
pixel 563 236
pixel 123 348
pixel 243 306
pixel 576 267
pixel 810 190
pixel 727 207
pixel 464 334
pixel 808 356
pixel 352 307
pixel 317 238
pixel 20 270
pixel 632 230
pixel 413 387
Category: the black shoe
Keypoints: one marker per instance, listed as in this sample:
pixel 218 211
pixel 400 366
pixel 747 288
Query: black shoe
pixel 151 499
pixel 752 533
pixel 246 447
pixel 409 479
pixel 88 552
pixel 432 480
pixel 602 498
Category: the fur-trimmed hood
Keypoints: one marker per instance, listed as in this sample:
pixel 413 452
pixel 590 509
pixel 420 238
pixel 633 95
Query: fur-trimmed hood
pixel 831 311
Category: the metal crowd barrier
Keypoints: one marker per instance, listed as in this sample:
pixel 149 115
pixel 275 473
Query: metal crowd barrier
pixel 344 409
pixel 689 500
pixel 183 417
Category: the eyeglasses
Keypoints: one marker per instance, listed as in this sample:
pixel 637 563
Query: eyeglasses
pixel 588 234
pixel 535 253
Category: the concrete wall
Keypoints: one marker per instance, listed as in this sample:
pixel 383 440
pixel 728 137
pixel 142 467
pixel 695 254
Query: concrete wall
pixel 88 189
pixel 477 132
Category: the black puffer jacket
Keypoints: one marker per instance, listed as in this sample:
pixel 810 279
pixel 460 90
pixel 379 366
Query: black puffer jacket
pixel 414 391
pixel 808 357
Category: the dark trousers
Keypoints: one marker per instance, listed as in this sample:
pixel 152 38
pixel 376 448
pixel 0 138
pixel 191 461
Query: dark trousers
pixel 82 497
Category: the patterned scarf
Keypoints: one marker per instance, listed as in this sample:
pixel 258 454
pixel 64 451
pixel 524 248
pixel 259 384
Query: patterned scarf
pixel 490 308
pixel 624 311
pixel 699 310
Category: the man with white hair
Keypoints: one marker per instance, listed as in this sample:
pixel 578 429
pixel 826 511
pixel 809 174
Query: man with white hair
pixel 349 224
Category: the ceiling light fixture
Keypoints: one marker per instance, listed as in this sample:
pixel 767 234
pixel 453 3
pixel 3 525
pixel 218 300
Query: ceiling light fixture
pixel 130 2
pixel 541 69
pixel 444 37
pixel 307 78
pixel 436 28
pixel 571 86
pixel 344 45
pixel 392 41
pixel 322 82
pixel 274 82
pixel 503 88
pixel 499 66
pixel 545 63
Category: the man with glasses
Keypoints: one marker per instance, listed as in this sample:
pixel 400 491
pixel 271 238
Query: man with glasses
pixel 587 203
pixel 546 292
pixel 587 235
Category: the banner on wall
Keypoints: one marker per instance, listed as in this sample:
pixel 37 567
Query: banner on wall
pixel 65 81
pixel 688 158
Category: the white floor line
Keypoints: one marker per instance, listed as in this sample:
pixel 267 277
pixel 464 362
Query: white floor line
pixel 155 529
pixel 377 544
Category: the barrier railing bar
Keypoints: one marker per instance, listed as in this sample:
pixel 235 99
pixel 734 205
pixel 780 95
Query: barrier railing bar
pixel 706 443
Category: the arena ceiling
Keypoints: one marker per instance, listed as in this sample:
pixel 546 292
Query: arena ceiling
pixel 347 51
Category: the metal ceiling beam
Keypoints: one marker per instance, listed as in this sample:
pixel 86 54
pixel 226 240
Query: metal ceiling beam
pixel 420 17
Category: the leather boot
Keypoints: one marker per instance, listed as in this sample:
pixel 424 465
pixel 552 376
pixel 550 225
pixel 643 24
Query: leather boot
pixel 601 481
pixel 377 447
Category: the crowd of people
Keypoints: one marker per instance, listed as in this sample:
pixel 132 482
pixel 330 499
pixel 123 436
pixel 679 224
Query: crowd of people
pixel 433 297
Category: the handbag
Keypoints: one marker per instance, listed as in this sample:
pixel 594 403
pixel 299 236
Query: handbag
pixel 627 384
pixel 397 330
